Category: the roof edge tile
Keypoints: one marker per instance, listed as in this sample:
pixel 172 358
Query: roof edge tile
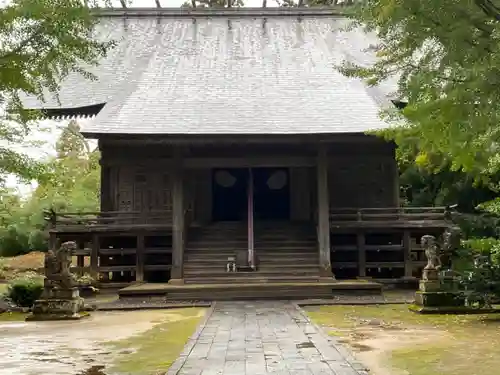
pixel 220 12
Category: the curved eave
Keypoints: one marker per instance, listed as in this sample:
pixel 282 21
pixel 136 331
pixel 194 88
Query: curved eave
pixel 71 113
pixel 399 104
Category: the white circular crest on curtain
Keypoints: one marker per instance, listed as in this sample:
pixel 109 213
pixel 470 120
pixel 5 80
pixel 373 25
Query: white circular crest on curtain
pixel 224 179
pixel 277 181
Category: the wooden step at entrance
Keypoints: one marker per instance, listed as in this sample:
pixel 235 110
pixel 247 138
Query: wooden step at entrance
pixel 250 279
pixel 286 252
pixel 217 266
pixel 269 275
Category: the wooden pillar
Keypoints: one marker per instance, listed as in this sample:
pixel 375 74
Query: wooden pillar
pixel 407 253
pixel 140 254
pixel 94 256
pixel 107 201
pixel 323 214
pixel 361 254
pixel 176 273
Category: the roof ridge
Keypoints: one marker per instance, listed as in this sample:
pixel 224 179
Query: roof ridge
pixel 221 12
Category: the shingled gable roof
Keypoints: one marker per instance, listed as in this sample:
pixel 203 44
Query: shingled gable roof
pixel 226 72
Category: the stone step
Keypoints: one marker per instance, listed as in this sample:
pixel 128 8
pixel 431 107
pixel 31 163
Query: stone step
pixel 290 293
pixel 291 288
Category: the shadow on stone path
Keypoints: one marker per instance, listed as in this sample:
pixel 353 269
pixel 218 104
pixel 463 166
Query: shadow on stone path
pixel 259 338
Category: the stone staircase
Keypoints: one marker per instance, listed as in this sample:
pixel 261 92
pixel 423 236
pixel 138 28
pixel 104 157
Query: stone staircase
pixel 287 253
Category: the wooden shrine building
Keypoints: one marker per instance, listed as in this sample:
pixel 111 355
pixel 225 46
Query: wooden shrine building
pixel 229 131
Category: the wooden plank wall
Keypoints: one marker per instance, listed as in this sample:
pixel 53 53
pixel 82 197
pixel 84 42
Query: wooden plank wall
pixel 140 189
pixel 359 175
pixel 363 180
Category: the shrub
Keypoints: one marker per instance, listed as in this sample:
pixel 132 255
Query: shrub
pixel 26 290
pixel 14 241
pixel 482 283
pixel 489 247
pixel 38 240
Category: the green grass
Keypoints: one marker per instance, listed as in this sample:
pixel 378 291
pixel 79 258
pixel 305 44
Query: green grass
pixel 3 288
pixel 470 344
pixel 154 351
pixel 12 316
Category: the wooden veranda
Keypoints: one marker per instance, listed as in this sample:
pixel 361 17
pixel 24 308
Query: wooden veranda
pixel 353 236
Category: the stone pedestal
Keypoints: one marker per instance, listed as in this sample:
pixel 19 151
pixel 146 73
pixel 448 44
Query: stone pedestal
pixel 437 296
pixel 58 304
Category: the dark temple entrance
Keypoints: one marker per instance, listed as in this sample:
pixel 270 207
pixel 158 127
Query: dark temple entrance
pixel 229 189
pixel 271 193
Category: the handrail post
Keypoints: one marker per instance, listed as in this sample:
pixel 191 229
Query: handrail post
pixel 323 213
pixel 250 218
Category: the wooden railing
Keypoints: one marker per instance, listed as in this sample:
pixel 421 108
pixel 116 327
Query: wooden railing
pixel 106 218
pixel 390 214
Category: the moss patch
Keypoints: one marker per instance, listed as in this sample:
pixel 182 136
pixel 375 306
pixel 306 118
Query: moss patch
pixel 12 316
pixel 155 350
pixel 464 344
pixel 3 288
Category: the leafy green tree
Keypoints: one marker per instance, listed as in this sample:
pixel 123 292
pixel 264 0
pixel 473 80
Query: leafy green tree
pixel 73 186
pixel 445 55
pixel 75 175
pixel 42 42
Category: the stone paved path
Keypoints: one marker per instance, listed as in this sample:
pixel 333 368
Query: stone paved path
pixel 260 338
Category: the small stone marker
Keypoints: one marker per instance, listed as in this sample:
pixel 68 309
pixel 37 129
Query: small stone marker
pixel 60 299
